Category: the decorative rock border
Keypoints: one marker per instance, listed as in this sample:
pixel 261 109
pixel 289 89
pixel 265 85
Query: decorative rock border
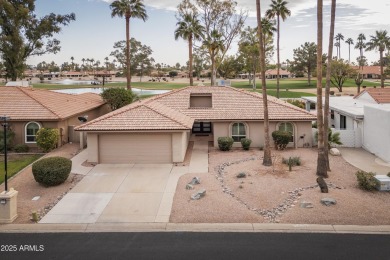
pixel 271 215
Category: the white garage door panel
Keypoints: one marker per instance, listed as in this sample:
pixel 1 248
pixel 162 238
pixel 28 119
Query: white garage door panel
pixel 135 148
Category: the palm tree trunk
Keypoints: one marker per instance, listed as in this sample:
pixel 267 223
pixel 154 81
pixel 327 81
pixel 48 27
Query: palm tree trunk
pixel 278 60
pixel 321 160
pixel 381 63
pixel 190 57
pixel 213 70
pixel 128 74
pixel 327 88
pixel 267 160
pixel 349 53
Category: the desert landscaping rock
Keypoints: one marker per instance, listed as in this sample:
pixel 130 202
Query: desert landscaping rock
pixel 195 181
pixel 189 187
pixel 199 194
pixel 328 201
pixel 335 152
pixel 306 205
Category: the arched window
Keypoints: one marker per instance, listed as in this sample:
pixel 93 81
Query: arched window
pixel 288 127
pixel 238 131
pixel 31 132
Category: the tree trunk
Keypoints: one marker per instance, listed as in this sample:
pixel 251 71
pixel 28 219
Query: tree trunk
pixel 382 75
pixel 190 57
pixel 267 160
pixel 327 88
pixel 278 59
pixel 128 74
pixel 321 161
pixel 213 70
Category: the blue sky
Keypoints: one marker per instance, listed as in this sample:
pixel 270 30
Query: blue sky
pixel 94 32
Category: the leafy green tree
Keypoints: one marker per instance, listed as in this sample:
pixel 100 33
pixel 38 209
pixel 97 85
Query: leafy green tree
pixel 189 28
pixel 279 10
pixel 380 42
pixel 47 139
pixel 128 9
pixel 305 60
pixel 118 97
pixel 227 68
pixel 340 72
pixel 23 34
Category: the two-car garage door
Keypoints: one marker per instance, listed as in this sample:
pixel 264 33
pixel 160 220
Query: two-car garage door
pixel 130 148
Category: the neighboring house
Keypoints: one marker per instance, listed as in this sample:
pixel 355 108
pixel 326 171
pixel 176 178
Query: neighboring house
pixel 369 72
pixel 158 129
pixel 273 74
pixel 31 109
pixel 363 120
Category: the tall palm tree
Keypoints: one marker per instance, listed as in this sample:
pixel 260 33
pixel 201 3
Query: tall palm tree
pixel 379 42
pixel 279 10
pixel 339 37
pixel 128 9
pixel 327 86
pixel 337 45
pixel 189 28
pixel 321 161
pixel 214 44
pixel 349 41
pixel 361 45
pixel 268 27
pixel 267 159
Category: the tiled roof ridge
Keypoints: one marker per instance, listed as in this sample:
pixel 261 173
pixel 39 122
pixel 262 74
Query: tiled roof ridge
pixel 164 115
pixel 39 102
pixel 272 99
pixel 154 98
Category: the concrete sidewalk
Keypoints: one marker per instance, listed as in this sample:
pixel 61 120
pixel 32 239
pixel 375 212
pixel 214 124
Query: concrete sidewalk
pixel 364 160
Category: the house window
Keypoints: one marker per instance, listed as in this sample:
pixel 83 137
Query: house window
pixel 343 122
pixel 201 100
pixel 238 131
pixel 31 132
pixel 287 127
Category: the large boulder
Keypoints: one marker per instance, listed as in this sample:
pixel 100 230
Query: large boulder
pixel 335 152
pixel 199 194
pixel 328 201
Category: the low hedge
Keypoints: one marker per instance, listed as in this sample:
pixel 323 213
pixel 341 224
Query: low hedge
pixel 225 143
pixel 52 171
pixel 21 148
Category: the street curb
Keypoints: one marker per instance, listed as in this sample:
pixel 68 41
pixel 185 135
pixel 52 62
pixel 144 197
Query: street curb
pixel 194 227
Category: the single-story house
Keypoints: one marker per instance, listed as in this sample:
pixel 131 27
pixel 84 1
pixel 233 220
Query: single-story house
pixel 30 109
pixel 158 129
pixel 362 120
pixel 369 72
pixel 273 74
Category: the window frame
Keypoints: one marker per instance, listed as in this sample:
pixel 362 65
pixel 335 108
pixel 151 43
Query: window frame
pixel 293 130
pixel 232 135
pixel 26 135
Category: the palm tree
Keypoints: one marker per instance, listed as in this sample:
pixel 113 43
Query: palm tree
pixel 190 29
pixel 267 159
pixel 361 45
pixel 337 45
pixel 214 44
pixel 269 28
pixel 128 9
pixel 278 9
pixel 321 161
pixel 349 41
pixel 328 82
pixel 379 42
pixel 339 37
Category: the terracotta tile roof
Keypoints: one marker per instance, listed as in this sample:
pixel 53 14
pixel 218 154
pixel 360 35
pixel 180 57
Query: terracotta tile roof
pixel 172 111
pixel 140 116
pixel 380 95
pixel 368 70
pixel 35 104
pixel 275 72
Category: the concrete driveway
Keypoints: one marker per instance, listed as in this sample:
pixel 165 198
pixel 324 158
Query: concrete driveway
pixel 118 193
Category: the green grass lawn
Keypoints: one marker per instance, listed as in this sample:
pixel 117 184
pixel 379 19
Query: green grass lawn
pixel 15 164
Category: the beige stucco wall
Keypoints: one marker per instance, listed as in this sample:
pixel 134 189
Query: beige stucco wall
pixel 179 146
pixel 93 147
pixel 255 131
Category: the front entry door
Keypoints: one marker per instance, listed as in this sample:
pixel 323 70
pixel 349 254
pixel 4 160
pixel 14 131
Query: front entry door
pixel 201 128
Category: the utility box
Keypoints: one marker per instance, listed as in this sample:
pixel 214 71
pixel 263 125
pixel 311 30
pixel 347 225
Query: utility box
pixel 383 182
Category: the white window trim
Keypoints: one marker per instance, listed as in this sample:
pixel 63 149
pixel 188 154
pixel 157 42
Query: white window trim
pixel 246 129
pixel 294 129
pixel 25 131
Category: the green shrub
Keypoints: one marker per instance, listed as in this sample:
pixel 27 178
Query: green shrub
pixel 295 161
pixel 296 103
pixel 246 143
pixel 10 139
pixel 388 174
pixel 241 175
pixel 225 143
pixel 118 97
pixel 21 148
pixel 51 171
pixel 281 139
pixel 366 180
pixel 47 139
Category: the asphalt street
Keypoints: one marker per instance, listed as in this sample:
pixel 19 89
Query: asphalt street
pixel 193 245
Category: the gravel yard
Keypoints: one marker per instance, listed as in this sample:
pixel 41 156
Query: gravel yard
pixel 273 194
